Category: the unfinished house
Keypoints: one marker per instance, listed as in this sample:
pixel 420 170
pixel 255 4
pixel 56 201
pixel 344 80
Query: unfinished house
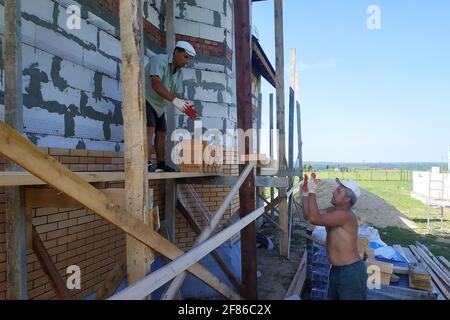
pixel 80 217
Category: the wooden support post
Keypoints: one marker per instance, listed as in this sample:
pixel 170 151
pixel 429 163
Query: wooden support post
pixel 299 126
pixel 16 272
pixel 291 143
pixel 259 190
pixel 279 53
pixel 242 13
pixel 139 257
pixel 170 185
pixel 25 154
pixel 272 190
pixel 46 262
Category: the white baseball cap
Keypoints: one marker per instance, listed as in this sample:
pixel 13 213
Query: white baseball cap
pixel 350 184
pixel 187 47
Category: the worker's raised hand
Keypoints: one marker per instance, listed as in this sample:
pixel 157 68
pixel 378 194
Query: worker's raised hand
pixel 304 185
pixel 314 184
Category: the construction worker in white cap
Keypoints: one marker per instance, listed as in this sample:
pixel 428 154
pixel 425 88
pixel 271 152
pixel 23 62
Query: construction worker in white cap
pixel 348 274
pixel 163 85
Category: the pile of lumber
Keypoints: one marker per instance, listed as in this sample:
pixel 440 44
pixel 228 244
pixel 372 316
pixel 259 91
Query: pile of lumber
pixel 437 267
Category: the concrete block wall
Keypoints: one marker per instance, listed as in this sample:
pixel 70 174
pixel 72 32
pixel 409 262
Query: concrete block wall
pixel 72 78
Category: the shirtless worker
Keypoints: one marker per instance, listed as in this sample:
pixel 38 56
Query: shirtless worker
pixel 348 274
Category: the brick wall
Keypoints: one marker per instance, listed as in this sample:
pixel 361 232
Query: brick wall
pixel 78 236
pixel 202 46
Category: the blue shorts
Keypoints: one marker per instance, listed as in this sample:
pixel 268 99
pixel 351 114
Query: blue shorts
pixel 348 282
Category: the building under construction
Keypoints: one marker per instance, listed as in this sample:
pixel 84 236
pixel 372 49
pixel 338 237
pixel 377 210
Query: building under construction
pixel 80 216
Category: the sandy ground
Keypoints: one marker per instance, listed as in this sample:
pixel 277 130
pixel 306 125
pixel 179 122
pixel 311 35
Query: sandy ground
pixel 277 272
pixel 369 209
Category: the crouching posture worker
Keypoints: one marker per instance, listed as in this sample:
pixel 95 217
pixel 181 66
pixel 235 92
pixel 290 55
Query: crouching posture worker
pixel 348 275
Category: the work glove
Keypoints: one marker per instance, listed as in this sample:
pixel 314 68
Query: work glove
pixel 179 103
pixel 186 108
pixel 310 185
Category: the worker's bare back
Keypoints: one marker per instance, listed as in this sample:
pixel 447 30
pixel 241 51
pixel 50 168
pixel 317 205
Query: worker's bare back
pixel 342 248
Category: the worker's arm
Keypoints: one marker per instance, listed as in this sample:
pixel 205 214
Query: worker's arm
pixel 160 89
pixel 327 218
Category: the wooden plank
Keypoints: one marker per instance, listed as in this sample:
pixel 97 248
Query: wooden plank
pixel 296 286
pixel 158 278
pixel 11 178
pixel 299 125
pixel 399 249
pixel 409 255
pixel 112 281
pixel 16 273
pixel 279 58
pixel 46 262
pixel 21 151
pixel 436 269
pixel 436 280
pixel 442 267
pixel 445 262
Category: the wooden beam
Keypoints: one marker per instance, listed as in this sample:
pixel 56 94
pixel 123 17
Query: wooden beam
pixel 16 273
pixel 112 281
pixel 436 279
pixel 299 125
pixel 445 262
pixel 296 286
pixel 193 224
pixel 46 262
pixel 139 257
pixel 242 34
pixel 279 58
pixel 272 190
pixel 15 178
pixel 171 270
pixel 170 185
pixel 209 229
pixel 21 151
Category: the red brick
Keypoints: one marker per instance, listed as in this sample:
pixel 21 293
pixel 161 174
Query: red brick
pixel 59 152
pixel 68 223
pixel 67 239
pixel 56 234
pixel 77 213
pixel 87 160
pixel 69 160
pixel 85 234
pixel 57 250
pixel 78 167
pixel 45 211
pixel 47 228
pixel 93 153
pixel 117 161
pixel 76 244
pixel 86 219
pixel 77 229
pixel 103 160
pixel 95 167
pixel 39 220
pixel 57 217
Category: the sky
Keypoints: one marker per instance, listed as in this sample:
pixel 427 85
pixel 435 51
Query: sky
pixel 366 95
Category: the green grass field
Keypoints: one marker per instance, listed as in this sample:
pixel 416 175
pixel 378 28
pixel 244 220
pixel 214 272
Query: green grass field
pixel 393 190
